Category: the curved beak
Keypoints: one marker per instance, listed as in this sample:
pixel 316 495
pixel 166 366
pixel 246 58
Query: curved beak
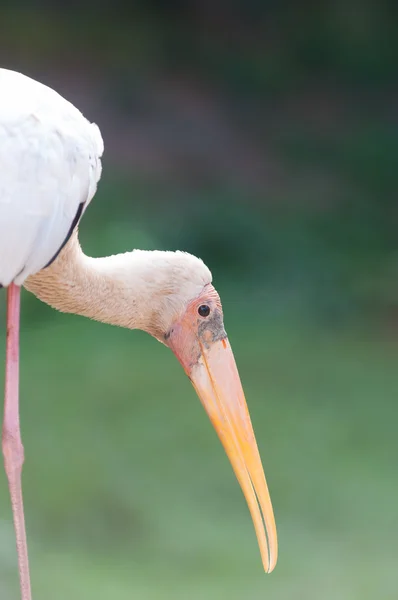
pixel 214 375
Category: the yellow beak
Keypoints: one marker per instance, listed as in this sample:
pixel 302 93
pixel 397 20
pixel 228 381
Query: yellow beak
pixel 216 380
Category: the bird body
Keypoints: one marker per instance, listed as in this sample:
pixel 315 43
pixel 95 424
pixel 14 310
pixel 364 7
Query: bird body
pixel 50 158
pixel 50 164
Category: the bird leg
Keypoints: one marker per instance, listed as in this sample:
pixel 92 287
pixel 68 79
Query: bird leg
pixel 11 442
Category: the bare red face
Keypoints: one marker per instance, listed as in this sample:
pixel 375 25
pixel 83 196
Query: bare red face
pixel 200 342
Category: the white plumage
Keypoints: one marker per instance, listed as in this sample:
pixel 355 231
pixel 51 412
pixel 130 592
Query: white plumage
pixel 50 164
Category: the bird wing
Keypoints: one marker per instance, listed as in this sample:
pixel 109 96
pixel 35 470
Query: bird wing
pixel 50 164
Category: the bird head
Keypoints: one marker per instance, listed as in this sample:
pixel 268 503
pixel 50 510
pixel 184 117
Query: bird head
pixel 188 318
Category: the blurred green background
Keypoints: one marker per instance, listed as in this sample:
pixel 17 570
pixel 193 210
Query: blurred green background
pixel 263 137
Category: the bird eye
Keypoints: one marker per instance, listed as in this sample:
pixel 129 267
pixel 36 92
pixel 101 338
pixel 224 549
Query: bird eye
pixel 204 310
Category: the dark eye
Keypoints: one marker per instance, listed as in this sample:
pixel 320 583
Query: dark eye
pixel 204 310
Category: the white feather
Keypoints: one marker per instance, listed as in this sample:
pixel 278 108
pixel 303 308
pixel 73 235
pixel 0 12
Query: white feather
pixel 49 164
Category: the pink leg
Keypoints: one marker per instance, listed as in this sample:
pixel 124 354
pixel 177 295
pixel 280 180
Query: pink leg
pixel 12 445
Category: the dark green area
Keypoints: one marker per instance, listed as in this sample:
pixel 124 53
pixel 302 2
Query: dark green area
pixel 128 492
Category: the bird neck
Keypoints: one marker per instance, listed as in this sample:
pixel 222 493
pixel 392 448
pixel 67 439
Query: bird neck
pixel 76 283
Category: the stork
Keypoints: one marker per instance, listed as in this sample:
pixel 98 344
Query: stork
pixel 50 165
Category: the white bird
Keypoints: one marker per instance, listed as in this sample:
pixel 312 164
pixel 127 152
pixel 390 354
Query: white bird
pixel 50 164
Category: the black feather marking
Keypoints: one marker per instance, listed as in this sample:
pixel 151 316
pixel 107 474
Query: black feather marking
pixel 72 227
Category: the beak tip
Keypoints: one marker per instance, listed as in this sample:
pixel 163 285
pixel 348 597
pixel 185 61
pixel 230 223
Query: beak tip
pixel 270 568
pixel 270 558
